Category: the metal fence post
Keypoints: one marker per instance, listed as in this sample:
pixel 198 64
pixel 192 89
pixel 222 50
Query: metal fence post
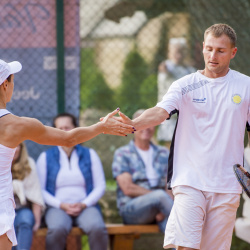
pixel 60 57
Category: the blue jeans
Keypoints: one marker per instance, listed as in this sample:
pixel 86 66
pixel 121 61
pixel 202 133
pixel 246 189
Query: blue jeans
pixel 59 224
pixel 143 209
pixel 24 222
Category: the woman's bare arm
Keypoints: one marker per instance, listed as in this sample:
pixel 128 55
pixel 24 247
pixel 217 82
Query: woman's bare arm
pixel 37 211
pixel 23 128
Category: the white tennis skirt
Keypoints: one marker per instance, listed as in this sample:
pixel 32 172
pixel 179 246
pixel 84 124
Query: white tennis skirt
pixel 7 217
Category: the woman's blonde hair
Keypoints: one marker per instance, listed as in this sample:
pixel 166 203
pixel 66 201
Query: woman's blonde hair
pixel 21 168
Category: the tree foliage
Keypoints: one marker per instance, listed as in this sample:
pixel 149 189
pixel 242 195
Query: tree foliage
pixel 95 93
pixel 134 73
pixel 148 91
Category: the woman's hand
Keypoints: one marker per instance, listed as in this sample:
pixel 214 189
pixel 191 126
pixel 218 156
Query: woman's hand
pixel 73 209
pixel 117 125
pixel 36 226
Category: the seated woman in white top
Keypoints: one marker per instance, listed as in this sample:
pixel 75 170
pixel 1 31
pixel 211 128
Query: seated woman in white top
pixel 14 130
pixel 72 181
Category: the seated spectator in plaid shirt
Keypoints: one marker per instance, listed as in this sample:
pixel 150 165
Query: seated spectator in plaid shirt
pixel 140 169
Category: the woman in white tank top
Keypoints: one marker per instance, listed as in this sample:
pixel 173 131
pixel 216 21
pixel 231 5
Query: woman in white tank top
pixel 14 130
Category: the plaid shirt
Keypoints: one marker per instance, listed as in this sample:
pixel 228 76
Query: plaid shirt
pixel 127 159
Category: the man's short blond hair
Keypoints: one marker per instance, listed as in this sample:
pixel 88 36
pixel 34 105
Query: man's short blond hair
pixel 219 29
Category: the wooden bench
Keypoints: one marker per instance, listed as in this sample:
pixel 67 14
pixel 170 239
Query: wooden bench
pixel 121 237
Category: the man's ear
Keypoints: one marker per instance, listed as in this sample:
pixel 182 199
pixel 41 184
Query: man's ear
pixel 234 51
pixel 5 84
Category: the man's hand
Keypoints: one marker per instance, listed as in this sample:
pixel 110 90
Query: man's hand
pixel 149 118
pixel 160 217
pixel 162 67
pixel 125 119
pixel 115 126
pixel 36 226
pixel 121 118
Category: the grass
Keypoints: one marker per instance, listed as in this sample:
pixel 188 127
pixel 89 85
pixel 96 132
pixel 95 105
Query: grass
pixel 110 185
pixel 85 244
pixel 238 244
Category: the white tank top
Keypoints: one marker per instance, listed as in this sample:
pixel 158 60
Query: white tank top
pixel 6 157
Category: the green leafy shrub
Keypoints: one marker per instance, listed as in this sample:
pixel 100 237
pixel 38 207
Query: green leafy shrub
pixel 134 73
pixel 148 91
pixel 95 93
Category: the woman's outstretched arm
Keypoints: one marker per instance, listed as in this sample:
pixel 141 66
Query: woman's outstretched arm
pixel 23 128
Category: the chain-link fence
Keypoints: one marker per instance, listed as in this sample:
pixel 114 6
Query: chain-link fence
pixel 131 51
pixel 30 33
pixel 115 53
pixel 124 53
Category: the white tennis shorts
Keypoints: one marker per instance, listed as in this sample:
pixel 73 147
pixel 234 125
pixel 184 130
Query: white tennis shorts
pixel 7 217
pixel 201 220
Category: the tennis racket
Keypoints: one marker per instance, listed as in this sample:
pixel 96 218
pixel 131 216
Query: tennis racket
pixel 243 177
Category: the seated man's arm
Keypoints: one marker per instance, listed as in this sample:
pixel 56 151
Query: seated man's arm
pixel 127 186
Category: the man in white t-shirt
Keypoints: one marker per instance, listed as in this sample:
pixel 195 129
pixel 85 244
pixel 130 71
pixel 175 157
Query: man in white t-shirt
pixel 140 169
pixel 213 108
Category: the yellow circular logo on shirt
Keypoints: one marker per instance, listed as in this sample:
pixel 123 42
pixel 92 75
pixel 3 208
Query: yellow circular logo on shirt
pixel 236 99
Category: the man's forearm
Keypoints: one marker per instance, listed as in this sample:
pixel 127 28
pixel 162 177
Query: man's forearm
pixel 150 117
pixel 135 191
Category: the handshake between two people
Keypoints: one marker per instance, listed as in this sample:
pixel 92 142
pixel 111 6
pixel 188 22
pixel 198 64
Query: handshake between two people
pixel 123 125
pixel 117 125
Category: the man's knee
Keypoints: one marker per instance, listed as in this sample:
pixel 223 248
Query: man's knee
pixel 160 196
pixel 160 193
pixel 162 201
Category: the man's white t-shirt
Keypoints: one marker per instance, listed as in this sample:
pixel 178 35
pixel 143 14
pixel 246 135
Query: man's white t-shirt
pixel 147 157
pixel 209 137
